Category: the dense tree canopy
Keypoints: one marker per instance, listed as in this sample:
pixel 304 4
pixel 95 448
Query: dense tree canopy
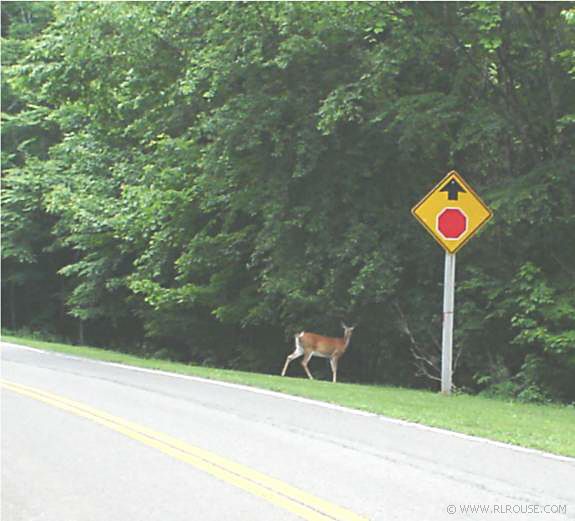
pixel 201 180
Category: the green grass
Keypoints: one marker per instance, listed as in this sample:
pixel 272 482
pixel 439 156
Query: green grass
pixel 549 427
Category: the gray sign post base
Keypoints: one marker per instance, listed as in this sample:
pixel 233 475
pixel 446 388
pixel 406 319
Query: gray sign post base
pixel 447 339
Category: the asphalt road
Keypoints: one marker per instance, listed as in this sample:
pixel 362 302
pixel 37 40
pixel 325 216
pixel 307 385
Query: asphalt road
pixel 88 441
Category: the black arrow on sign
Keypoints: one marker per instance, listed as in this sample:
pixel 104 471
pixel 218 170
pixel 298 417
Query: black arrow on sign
pixel 452 188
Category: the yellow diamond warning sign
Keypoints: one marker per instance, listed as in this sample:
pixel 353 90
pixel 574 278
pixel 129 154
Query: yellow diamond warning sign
pixel 452 212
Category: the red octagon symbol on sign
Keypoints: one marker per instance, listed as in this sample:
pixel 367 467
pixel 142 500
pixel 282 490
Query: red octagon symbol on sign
pixel 452 223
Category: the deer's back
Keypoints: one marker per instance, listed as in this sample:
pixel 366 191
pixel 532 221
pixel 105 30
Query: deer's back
pixel 321 345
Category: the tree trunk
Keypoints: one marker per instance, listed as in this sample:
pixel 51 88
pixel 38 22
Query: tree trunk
pixel 81 333
pixel 12 305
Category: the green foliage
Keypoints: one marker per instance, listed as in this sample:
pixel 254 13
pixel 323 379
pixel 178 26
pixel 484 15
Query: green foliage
pixel 213 177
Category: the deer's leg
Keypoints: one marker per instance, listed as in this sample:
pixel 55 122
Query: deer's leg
pixel 298 351
pixel 289 358
pixel 304 362
pixel 333 362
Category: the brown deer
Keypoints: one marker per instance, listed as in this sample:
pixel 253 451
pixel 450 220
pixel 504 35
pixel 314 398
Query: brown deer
pixel 310 344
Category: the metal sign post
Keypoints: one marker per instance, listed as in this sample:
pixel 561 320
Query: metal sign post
pixel 452 213
pixel 447 337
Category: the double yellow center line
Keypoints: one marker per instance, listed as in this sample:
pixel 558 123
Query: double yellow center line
pixel 273 490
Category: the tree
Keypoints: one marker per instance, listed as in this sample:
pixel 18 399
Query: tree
pixel 213 177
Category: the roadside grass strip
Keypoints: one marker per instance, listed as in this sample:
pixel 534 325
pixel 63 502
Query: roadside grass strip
pixel 277 492
pixel 548 427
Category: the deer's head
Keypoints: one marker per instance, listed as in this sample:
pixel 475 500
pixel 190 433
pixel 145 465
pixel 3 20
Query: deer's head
pixel 347 330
